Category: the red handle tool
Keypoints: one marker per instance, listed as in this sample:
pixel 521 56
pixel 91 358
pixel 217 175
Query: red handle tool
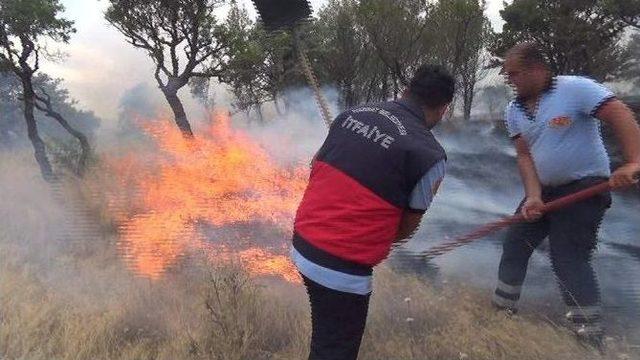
pixel 504 222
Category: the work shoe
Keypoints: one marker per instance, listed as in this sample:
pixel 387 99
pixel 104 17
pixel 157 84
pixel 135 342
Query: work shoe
pixel 507 310
pixel 594 340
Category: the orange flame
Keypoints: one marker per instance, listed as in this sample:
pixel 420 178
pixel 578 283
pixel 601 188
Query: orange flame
pixel 220 178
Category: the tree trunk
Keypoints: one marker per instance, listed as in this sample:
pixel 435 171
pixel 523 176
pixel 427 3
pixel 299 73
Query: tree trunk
pixel 178 112
pixel 258 108
pixel 469 80
pixel 385 86
pixel 342 98
pixel 467 103
pixel 491 106
pixel 452 109
pixel 348 97
pixel 276 103
pixel 40 152
pixel 84 142
pixel 396 88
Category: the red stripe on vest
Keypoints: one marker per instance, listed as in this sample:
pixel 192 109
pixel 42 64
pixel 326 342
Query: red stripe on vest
pixel 340 216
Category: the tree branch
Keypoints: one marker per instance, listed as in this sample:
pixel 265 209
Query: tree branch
pixel 36 65
pixel 156 74
pixel 172 47
pixel 6 43
pixel 44 104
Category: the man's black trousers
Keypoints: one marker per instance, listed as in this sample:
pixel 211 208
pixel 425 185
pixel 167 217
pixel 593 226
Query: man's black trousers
pixel 338 320
pixel 573 235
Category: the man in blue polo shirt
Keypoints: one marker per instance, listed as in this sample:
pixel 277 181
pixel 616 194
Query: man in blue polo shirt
pixel 555 125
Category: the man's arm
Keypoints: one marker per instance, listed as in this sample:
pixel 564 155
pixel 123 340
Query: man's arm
pixel 420 200
pixel 528 173
pixel 531 209
pixel 617 115
pixel 533 189
pixel 408 225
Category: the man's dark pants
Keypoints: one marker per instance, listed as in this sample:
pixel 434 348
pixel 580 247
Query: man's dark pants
pixel 338 320
pixel 572 236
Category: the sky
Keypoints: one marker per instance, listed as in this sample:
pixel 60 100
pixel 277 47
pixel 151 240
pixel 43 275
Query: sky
pixel 100 66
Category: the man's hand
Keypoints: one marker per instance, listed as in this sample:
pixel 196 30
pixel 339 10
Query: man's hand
pixel 622 121
pixel 625 176
pixel 532 209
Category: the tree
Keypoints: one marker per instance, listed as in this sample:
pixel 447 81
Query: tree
pixel 632 68
pixel 495 98
pixel 464 31
pixel 248 69
pixel 53 102
pixel 137 106
pixel 347 59
pixel 397 31
pixel 373 47
pixel 11 114
pixel 345 45
pixel 367 49
pixel 25 26
pixel 577 36
pixel 264 65
pixel 162 28
pixel 44 101
pixel 627 11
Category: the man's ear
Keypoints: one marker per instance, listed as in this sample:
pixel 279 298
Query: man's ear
pixel 443 110
pixel 434 115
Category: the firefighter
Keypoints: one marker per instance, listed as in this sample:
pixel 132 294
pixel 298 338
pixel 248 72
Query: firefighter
pixel 554 123
pixel 370 184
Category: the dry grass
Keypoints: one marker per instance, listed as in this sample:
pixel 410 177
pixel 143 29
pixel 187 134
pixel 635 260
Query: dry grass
pixel 60 303
pixel 221 314
pixel 456 324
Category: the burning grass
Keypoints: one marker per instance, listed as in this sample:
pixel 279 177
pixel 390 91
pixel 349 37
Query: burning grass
pixel 171 200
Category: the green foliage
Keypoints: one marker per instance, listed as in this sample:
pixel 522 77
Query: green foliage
pixel 367 49
pixel 182 37
pixel 25 25
pixel 254 59
pixel 632 69
pixel 35 18
pixel 399 33
pixel 578 36
pixel 463 29
pixel 347 59
pixel 84 121
pixel 464 32
pixel 626 10
pixel 12 129
pixel 164 28
pixel 263 65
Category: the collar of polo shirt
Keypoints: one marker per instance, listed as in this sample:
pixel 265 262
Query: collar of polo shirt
pixel 521 102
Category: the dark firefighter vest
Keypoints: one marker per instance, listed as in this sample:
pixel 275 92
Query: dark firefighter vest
pixel 361 181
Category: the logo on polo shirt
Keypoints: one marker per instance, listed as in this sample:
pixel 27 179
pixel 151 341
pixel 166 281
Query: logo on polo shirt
pixel 560 122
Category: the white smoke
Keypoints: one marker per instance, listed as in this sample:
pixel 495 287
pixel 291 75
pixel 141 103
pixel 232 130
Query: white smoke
pixel 296 135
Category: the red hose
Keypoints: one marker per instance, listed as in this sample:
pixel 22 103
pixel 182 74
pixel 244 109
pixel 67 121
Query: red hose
pixel 487 229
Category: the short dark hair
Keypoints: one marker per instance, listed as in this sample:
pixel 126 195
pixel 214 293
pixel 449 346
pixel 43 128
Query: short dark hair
pixel 530 53
pixel 432 85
